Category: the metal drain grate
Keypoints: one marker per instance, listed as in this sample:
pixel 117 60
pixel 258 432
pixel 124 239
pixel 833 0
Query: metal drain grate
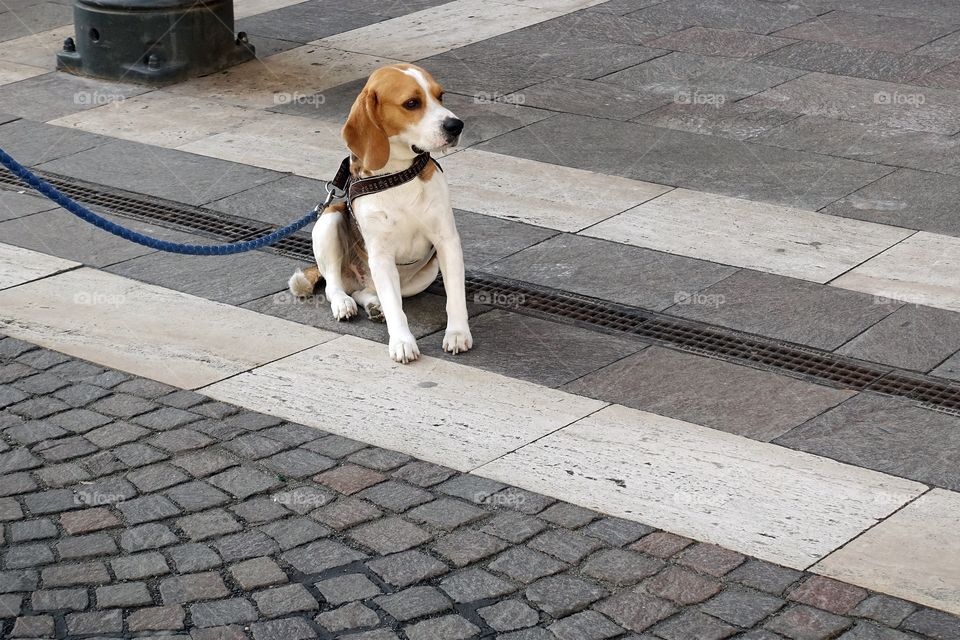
pixel 561 306
pixel 171 214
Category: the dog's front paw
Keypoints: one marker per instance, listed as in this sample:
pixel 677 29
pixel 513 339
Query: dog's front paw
pixel 343 307
pixel 404 349
pixel 457 340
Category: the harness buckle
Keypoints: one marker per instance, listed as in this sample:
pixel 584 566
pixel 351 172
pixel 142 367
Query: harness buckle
pixel 333 193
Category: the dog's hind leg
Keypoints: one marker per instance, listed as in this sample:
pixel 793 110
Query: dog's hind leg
pixel 328 249
pixel 304 281
pixel 368 299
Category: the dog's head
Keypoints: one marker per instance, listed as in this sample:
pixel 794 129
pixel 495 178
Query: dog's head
pixel 399 111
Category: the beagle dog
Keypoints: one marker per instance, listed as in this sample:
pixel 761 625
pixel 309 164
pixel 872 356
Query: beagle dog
pixel 399 238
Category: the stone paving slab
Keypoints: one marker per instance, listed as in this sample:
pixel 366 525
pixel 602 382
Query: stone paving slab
pixel 629 275
pixel 629 578
pixel 23 20
pixel 881 33
pixel 757 404
pixel 844 60
pixel 132 326
pixel 14 204
pixel 53 95
pixel 174 175
pixel 33 143
pixel 704 163
pixel 865 430
pixel 787 309
pixel 747 15
pixel 22 265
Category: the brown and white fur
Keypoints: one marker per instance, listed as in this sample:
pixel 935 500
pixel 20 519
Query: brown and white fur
pixel 392 257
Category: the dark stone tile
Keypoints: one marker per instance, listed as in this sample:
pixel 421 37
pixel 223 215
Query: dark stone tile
pixel 705 163
pixel 949 368
pixel 906 198
pixel 913 337
pixel 904 106
pixel 537 350
pixel 307 21
pixel 729 120
pixel 937 10
pixel 486 118
pixel 868 142
pixel 886 434
pixel 25 20
pixel 426 314
pixel 883 33
pixel 589 98
pixel 946 48
pixel 726 43
pixel 32 143
pixel 237 279
pixel 165 173
pixel 622 7
pixel 947 77
pixel 803 312
pixel 602 22
pixel 279 202
pixel 695 77
pixel 629 275
pixel 53 95
pixel 16 205
pixel 757 404
pixel 487 239
pixel 849 61
pixel 746 15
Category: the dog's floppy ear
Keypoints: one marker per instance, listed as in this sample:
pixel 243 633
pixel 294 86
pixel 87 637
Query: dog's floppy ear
pixel 363 134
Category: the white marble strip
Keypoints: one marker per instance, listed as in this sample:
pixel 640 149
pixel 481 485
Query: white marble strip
pixel 758 498
pixel 445 27
pixel 782 240
pixel 435 409
pixel 247 8
pixel 923 269
pixel 538 193
pixel 146 330
pixel 161 119
pixel 914 554
pixel 297 74
pixel 38 49
pixel 18 265
pixel 11 72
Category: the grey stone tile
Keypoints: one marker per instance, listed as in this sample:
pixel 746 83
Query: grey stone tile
pixel 306 21
pixel 53 95
pixel 886 434
pixel 757 404
pixel 883 33
pixel 868 142
pixel 866 101
pixel 746 15
pixel 29 19
pixel 913 337
pixel 589 98
pixel 487 119
pixel 622 7
pixel 849 61
pixel 629 275
pixel 165 173
pixel 426 313
pixel 16 205
pixel 704 163
pixel 946 48
pixel 942 10
pixel 906 198
pixel 729 120
pixel 236 279
pixel 487 73
pixel 810 314
pixel 279 202
pixel 949 368
pixel 266 46
pixel 32 143
pixel 692 76
pixel 487 239
pixel 726 43
pixel 947 77
pixel 537 350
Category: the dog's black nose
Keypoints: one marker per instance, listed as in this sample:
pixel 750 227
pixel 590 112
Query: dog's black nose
pixel 453 126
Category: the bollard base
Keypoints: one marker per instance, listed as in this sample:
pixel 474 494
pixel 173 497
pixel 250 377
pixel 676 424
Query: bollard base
pixel 153 42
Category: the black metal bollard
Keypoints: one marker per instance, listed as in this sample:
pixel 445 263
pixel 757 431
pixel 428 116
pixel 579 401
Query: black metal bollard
pixel 152 42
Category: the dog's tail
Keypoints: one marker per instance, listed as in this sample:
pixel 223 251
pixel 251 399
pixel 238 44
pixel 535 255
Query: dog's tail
pixel 304 281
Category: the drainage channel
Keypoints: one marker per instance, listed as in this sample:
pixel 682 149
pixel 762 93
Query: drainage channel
pixel 551 304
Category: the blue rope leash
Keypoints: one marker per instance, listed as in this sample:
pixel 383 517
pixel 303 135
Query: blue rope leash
pixel 83 213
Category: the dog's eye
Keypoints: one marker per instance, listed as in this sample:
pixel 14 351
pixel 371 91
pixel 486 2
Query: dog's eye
pixel 411 104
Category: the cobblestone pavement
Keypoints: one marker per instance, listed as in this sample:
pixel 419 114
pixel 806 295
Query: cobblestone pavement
pixel 132 509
